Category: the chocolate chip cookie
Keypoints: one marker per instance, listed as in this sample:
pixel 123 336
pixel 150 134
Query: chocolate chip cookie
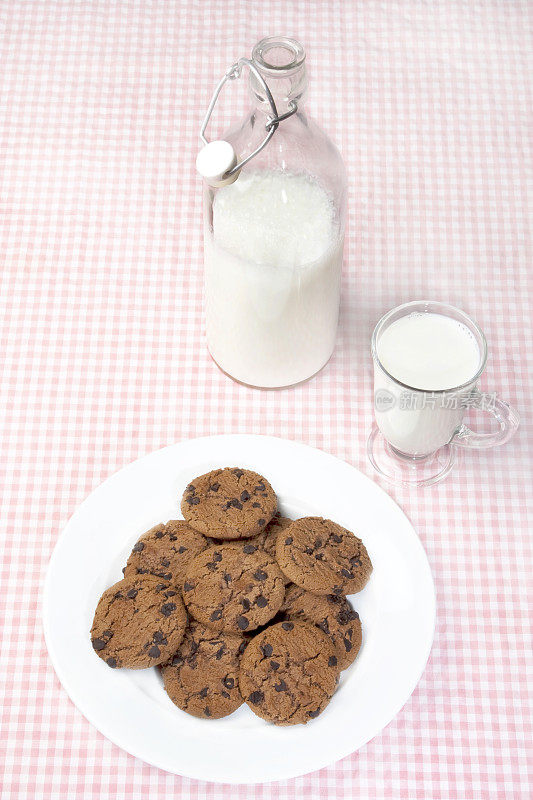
pixel 233 587
pixel 322 557
pixel 229 503
pixel 289 673
pixel 268 538
pixel 139 622
pixel 332 614
pixel 165 551
pixel 202 678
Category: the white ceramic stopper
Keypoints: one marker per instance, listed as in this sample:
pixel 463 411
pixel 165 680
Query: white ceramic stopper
pixel 214 161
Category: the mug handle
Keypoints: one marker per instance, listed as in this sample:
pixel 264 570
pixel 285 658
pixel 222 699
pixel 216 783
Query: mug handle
pixel 503 413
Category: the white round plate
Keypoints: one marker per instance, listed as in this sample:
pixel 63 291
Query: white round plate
pixel 130 707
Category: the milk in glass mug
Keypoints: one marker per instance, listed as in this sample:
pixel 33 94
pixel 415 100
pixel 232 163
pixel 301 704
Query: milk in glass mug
pixel 428 358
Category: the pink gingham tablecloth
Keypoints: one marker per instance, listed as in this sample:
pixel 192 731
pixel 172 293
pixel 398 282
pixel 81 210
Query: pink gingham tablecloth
pixel 104 358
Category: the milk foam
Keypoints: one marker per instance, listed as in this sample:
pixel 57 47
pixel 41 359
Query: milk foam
pixel 274 218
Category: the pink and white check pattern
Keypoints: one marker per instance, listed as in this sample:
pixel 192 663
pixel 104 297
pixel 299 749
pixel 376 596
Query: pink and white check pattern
pixel 104 356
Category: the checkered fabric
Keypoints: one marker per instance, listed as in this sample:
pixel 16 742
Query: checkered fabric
pixel 104 356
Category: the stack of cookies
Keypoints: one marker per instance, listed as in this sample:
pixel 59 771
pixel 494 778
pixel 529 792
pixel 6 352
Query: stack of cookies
pixel 236 603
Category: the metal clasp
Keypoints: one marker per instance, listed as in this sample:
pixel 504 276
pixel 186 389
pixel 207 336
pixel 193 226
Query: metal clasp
pixel 273 121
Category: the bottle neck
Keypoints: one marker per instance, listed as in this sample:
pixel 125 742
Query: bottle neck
pixel 281 62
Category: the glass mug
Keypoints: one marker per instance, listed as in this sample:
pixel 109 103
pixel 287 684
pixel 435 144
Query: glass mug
pixel 417 430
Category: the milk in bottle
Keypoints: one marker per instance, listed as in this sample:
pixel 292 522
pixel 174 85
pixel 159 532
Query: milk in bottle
pixel 273 268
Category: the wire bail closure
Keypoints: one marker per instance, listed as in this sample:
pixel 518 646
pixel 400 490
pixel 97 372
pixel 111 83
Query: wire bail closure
pixel 272 124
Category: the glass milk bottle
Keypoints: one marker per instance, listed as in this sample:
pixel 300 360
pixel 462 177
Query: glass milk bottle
pixel 274 218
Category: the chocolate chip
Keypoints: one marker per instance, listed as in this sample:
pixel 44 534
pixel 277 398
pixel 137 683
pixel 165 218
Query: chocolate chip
pixel 182 549
pixel 309 551
pixel 346 573
pixel 256 698
pixel 347 644
pixel 261 601
pixel 227 577
pixel 98 644
pixel 138 547
pixel 242 647
pixel 154 651
pixel 355 561
pixel 167 609
pixel 260 575
pixel 238 472
pixel 161 586
pixel 219 653
pixel 159 637
pixel 245 496
pixel 234 503
pixel 260 487
pixel 165 563
pixel 337 590
pixel 313 714
pixel 261 522
pixel 207 712
pixel 287 626
pixel 225 694
pixel 280 687
pixel 256 505
pixel 332 661
pixel 173 538
pixel 336 538
pixel 318 543
pixel 143 571
pixel 177 661
pixel 188 586
pixel 267 650
pixel 107 634
pixel 170 593
pixel 323 625
pixel 319 556
pixel 246 604
pixel 289 540
pixel 346 615
pixel 159 534
pixel 217 557
pixel 242 622
pixel 217 614
pixel 193 501
pixel 203 692
pixel 229 683
pixel 111 662
pixel 274 665
pixel 215 487
pixel 191 488
pixel 249 548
